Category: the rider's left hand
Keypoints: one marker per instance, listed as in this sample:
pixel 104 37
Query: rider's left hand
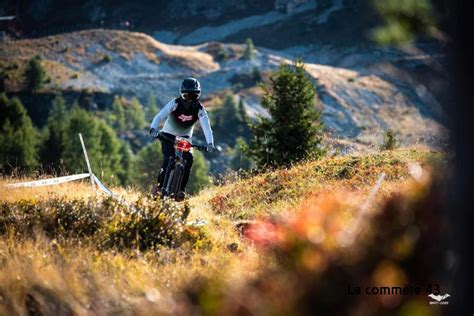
pixel 210 148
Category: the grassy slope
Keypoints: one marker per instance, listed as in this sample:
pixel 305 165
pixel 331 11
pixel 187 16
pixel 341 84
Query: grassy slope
pixel 277 191
pixel 70 276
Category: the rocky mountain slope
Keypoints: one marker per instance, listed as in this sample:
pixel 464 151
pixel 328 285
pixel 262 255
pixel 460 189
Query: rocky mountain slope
pixel 358 105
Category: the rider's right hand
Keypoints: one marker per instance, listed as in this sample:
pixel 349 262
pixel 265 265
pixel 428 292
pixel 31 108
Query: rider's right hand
pixel 154 132
pixel 210 148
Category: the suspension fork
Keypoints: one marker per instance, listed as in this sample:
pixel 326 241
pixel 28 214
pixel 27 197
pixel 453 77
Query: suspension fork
pixel 171 163
pixel 177 157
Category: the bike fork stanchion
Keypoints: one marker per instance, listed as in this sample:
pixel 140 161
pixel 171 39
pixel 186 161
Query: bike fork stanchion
pixel 164 185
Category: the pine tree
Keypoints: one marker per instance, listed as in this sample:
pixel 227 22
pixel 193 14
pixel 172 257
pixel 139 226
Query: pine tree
pixel 146 166
pixel 109 163
pixel 228 120
pixel 52 149
pixel 116 116
pixel 80 121
pixel 34 74
pixel 294 131
pixel 103 146
pixel 239 160
pixel 244 130
pixel 249 52
pixel 389 141
pixel 18 137
pixel 127 158
pixel 231 119
pixel 152 107
pixel 134 115
pixel 199 177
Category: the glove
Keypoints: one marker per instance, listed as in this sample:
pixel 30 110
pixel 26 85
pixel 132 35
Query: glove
pixel 154 132
pixel 210 148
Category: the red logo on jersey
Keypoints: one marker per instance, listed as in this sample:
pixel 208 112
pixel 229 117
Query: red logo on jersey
pixel 185 118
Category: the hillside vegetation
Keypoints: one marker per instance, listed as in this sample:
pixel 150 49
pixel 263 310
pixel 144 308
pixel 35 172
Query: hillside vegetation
pixel 64 252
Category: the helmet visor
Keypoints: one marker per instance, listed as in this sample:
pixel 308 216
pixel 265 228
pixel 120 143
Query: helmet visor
pixel 190 96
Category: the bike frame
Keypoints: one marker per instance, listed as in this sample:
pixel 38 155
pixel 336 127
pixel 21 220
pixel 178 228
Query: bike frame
pixel 176 165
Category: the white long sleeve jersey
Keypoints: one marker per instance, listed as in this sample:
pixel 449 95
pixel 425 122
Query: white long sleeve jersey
pixel 180 119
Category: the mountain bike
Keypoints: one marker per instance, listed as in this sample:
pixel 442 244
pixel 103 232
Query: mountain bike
pixel 175 171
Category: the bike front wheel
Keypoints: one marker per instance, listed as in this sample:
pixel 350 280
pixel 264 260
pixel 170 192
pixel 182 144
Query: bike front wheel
pixel 176 180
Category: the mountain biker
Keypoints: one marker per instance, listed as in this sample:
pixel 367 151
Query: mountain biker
pixel 181 114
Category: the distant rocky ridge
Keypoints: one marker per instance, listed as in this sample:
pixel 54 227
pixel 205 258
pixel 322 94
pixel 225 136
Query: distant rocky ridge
pixel 358 105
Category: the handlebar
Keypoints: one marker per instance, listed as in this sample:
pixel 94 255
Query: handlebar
pixel 200 148
pixel 166 137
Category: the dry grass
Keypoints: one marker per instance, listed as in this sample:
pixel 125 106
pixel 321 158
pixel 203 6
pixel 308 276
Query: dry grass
pixel 71 190
pixel 277 191
pixel 77 46
pixel 57 277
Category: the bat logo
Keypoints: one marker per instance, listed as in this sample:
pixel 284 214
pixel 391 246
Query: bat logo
pixel 439 298
pixel 185 118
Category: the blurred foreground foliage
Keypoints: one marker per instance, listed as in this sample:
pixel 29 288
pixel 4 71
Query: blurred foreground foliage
pixel 330 245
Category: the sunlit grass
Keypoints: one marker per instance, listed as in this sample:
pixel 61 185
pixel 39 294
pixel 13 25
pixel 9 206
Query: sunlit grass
pixel 319 201
pixel 273 192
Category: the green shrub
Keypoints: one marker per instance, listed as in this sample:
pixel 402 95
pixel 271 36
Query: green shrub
pixel 106 59
pixel 148 225
pixel 249 52
pixel 106 224
pixel 218 52
pixel 34 74
pixel 389 141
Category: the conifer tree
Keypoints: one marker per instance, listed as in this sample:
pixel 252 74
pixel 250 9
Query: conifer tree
pixel 228 120
pixel 127 158
pixel 18 137
pixel 52 149
pixel 146 166
pixel 199 177
pixel 294 130
pixel 134 115
pixel 249 52
pixel 244 130
pixel 103 146
pixel 110 161
pixel 152 107
pixel 80 121
pixel 34 74
pixel 231 119
pixel 116 117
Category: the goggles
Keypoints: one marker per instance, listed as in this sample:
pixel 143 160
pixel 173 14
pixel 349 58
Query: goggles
pixel 190 96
